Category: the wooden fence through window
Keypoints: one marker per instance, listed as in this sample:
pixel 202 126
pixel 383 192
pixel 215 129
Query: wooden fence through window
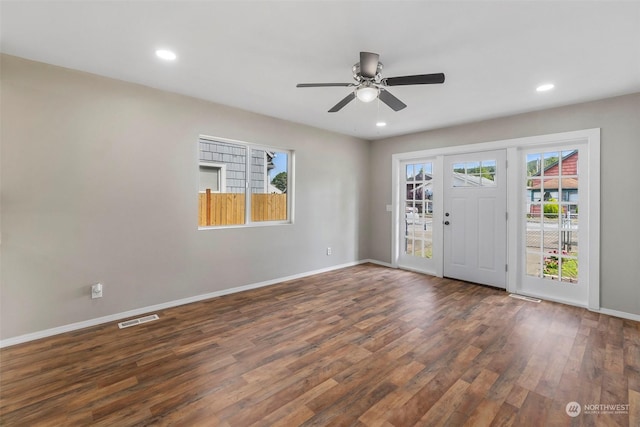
pixel 229 208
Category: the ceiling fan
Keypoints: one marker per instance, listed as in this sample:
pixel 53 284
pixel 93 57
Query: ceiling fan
pixel 369 83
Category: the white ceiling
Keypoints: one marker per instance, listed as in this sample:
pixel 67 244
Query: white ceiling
pixel 250 55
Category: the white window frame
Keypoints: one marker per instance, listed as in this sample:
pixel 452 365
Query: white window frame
pixel 222 177
pixel 248 147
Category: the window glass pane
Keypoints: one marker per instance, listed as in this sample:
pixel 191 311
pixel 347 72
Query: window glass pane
pixel 488 173
pixel 459 175
pixel 409 171
pixel 551 240
pixel 569 270
pixel 419 210
pixel 209 178
pixel 569 164
pixel 551 164
pixel 534 267
pixel 551 263
pixel 534 164
pixel 551 209
pixel 411 191
pixel 269 183
pixel 459 168
pixel 473 167
pixel 226 207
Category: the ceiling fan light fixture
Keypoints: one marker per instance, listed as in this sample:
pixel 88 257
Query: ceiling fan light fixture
pixel 367 93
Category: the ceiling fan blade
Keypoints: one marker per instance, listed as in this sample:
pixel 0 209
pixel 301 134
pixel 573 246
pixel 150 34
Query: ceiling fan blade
pixel 347 99
pixel 368 64
pixel 324 84
pixel 419 79
pixel 391 101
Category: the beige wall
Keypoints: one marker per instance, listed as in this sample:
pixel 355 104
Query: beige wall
pixel 619 120
pixel 99 181
pixel 99 184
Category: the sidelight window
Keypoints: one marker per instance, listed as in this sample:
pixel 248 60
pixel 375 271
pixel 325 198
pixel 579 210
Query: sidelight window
pixel 552 215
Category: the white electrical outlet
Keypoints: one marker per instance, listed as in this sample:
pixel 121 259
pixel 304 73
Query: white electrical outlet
pixel 328 251
pixel 96 290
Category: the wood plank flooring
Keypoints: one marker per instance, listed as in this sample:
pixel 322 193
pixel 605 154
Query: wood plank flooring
pixel 361 346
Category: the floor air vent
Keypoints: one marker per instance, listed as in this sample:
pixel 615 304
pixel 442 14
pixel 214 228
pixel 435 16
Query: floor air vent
pixel 138 321
pixel 522 297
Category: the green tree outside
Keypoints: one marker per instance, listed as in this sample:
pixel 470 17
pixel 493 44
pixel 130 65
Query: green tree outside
pixel 280 181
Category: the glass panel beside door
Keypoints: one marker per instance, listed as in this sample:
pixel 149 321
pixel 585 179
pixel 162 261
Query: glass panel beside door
pixel 416 218
pixel 552 225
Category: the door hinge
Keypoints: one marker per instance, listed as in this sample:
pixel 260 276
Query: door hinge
pixel 506 216
pixel 506 267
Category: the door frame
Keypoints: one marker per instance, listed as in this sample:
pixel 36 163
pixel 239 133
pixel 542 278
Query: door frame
pixel 513 146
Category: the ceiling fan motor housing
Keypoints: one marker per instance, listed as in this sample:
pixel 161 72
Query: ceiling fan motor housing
pixel 357 75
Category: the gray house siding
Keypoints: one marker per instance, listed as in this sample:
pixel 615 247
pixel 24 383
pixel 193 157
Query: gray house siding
pixel 234 158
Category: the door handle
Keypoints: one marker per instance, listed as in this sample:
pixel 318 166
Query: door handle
pixel 446 223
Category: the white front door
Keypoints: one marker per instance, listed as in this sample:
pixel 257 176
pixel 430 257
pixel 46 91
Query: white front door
pixel 475 217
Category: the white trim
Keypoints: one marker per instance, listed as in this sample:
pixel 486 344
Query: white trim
pixel 554 138
pixel 395 210
pixel 375 261
pixel 621 314
pixel 513 210
pixel 291 187
pixel 593 225
pixel 138 311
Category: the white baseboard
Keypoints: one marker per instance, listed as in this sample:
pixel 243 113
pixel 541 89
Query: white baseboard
pixel 622 314
pixel 375 261
pixel 143 310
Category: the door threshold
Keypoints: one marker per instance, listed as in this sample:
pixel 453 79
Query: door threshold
pixel 525 298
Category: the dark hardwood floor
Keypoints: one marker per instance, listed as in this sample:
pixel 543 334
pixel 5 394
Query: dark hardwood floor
pixel 361 346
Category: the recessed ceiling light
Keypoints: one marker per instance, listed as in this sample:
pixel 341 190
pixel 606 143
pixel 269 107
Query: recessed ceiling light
pixel 545 87
pixel 165 54
pixel 381 124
